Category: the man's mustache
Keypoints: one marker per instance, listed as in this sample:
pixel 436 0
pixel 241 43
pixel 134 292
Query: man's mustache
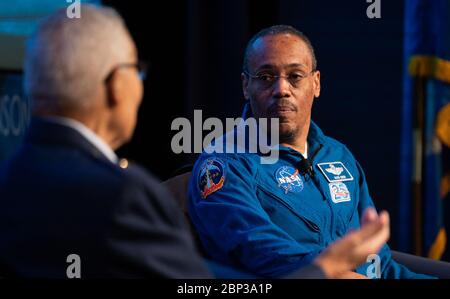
pixel 281 105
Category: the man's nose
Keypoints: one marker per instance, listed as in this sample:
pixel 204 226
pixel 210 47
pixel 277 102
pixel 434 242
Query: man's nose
pixel 281 88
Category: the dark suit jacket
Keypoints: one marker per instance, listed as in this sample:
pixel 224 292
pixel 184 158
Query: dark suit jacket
pixel 59 196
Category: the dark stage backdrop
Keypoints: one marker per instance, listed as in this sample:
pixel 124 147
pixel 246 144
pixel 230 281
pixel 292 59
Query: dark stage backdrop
pixel 195 51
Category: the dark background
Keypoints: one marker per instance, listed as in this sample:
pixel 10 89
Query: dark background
pixel 195 50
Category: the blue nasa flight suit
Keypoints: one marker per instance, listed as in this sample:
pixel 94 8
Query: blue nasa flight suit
pixel 271 220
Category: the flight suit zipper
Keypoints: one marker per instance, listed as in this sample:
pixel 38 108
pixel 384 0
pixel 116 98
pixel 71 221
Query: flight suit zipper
pixel 325 198
pixel 316 183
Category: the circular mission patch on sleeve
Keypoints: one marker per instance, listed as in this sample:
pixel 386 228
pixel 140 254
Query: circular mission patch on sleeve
pixel 211 176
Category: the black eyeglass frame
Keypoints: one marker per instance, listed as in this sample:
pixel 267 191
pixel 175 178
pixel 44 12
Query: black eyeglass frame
pixel 276 77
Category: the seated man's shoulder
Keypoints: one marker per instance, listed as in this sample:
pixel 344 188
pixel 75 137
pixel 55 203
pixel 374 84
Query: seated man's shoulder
pixel 338 148
pixel 246 160
pixel 134 176
pixel 335 143
pixel 221 171
pixel 226 165
pixel 138 187
pixel 133 172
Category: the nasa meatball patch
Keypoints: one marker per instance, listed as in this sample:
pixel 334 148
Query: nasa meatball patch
pixel 288 179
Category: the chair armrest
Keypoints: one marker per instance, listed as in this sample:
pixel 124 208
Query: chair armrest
pixel 422 265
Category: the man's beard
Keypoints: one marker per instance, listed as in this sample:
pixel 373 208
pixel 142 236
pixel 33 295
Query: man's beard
pixel 288 136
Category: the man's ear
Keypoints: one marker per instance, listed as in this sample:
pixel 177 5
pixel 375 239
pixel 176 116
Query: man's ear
pixel 316 84
pixel 245 82
pixel 114 89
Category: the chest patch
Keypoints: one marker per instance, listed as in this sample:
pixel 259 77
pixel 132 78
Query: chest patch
pixel 288 179
pixel 335 172
pixel 339 192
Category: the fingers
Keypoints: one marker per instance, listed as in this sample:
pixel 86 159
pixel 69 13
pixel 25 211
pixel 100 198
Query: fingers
pixel 373 223
pixel 374 242
pixel 354 248
pixel 350 275
pixel 384 217
pixel 369 215
pixel 368 230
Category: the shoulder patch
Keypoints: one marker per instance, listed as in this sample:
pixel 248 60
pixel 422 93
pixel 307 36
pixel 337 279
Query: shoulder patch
pixel 211 176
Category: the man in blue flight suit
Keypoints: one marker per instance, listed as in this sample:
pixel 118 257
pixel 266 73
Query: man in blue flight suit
pixel 272 219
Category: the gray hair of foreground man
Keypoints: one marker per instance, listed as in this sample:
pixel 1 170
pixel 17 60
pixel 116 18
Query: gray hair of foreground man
pixel 67 59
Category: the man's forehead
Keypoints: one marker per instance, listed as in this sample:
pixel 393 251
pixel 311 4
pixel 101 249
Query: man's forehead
pixel 280 50
pixel 132 48
pixel 134 51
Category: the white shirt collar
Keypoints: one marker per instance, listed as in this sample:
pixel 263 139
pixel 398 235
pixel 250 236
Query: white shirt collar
pixel 87 133
pixel 305 155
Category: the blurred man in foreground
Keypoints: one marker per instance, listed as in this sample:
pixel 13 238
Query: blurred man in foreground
pixel 66 192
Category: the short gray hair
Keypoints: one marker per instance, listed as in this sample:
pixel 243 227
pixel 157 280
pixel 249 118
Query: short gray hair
pixel 67 58
pixel 275 30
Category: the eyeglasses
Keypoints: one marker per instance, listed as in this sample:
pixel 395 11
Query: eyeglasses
pixel 266 79
pixel 141 67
